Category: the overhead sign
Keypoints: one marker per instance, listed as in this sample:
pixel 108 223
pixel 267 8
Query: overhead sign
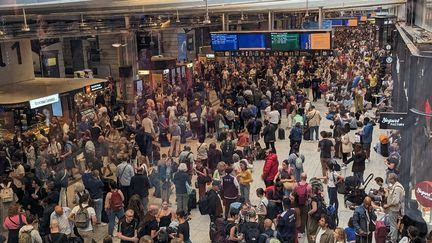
pixel 47 100
pixel 423 193
pixel 392 120
pixel 94 87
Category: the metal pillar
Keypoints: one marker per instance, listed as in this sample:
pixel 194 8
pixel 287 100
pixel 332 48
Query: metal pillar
pixel 227 23
pixel 270 20
pixel 223 22
pixel 320 17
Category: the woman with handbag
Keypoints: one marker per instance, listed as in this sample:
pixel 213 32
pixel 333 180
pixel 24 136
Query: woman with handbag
pixel 13 222
pixel 286 176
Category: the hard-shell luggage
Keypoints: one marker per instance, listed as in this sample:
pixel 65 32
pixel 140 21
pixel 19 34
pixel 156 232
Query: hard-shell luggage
pixel 281 134
pixel 192 203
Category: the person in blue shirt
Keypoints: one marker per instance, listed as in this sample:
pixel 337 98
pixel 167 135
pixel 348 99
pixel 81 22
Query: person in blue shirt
pixel 366 136
pixel 350 232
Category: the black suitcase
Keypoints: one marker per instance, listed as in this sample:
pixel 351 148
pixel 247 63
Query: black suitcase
pixel 192 203
pixel 306 134
pixel 281 134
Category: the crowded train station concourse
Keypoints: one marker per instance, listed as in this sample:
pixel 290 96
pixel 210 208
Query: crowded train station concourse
pixel 215 121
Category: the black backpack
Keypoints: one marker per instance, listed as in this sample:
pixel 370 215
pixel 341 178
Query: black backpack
pixel 252 232
pixel 228 148
pixel 321 209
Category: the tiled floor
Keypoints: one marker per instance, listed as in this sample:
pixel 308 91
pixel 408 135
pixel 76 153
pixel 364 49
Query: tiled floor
pixel 200 224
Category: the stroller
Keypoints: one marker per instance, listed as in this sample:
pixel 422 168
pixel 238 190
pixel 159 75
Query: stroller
pixel 354 191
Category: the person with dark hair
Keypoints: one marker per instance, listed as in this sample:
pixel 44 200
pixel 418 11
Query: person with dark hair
pixel 93 183
pixel 183 228
pixel 114 205
pixel 313 121
pixel 287 222
pixel 359 164
pixel 214 157
pixel 412 236
pixel 324 234
pixel 295 137
pixel 85 230
pixel 350 231
pixel 140 185
pixel 325 147
pixel 366 136
pixel 269 134
pixel 230 188
pixel 270 168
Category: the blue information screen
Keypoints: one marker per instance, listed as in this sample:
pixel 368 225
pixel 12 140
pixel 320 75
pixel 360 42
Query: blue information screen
pixel 224 42
pixel 253 42
pixel 337 22
pixel 305 41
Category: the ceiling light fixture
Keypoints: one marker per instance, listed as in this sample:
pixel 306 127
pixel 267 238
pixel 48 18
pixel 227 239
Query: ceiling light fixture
pixel 25 28
pixel 207 17
pixel 242 18
pixel 116 45
pixel 178 18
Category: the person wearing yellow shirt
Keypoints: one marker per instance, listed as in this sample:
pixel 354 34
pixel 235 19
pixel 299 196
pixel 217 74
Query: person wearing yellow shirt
pixel 245 179
pixel 373 80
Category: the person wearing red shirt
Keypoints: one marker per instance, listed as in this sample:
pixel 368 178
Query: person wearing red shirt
pixel 270 168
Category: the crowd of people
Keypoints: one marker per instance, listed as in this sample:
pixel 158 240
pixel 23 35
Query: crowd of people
pixel 113 160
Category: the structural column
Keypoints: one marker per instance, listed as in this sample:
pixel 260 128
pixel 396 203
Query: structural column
pixel 270 21
pixel 320 17
pixel 223 22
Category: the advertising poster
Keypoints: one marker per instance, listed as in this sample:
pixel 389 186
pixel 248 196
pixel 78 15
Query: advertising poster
pixel 157 80
pixel 182 46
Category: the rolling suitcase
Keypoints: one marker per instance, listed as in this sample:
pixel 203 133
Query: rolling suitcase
pixel 281 134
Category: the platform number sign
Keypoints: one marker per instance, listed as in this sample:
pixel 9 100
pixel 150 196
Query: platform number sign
pixel 16 46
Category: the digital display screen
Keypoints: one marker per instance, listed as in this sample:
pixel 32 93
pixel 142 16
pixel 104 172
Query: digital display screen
pixel 352 22
pixel 224 42
pixel 284 41
pixel 320 41
pixel 337 22
pixel 252 42
pixel 305 42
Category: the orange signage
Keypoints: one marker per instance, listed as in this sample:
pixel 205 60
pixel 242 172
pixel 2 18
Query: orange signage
pixel 320 41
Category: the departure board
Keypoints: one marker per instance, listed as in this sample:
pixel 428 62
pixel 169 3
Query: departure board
pixel 224 42
pixel 252 42
pixel 320 41
pixel 305 42
pixel 284 41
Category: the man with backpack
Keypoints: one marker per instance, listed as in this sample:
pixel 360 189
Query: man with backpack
pixel 296 161
pixel 254 129
pixel 251 229
pixel 268 234
pixel 114 206
pixel 84 217
pixel 228 148
pixel 286 223
pixel 302 191
pixel 95 187
pixel 125 172
pixel 187 157
pixel 28 233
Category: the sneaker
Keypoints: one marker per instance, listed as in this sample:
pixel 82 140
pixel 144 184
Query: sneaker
pixel 300 235
pixel 102 224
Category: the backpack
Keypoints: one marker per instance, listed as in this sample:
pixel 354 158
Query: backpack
pixel 82 218
pixel 25 237
pixel 6 193
pixel 333 217
pixel 252 233
pixel 228 148
pixel 203 204
pixel 321 209
pixel 271 238
pixel 301 192
pixel 299 163
pixel 116 201
pixel 286 225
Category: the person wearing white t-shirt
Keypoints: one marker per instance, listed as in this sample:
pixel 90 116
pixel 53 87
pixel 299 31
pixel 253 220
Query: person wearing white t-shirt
pixel 274 117
pixel 86 233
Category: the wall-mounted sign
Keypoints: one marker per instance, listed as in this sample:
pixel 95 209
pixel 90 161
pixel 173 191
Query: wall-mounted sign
pixel 392 120
pixel 96 87
pixel 423 193
pixel 47 100
pixel 143 72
